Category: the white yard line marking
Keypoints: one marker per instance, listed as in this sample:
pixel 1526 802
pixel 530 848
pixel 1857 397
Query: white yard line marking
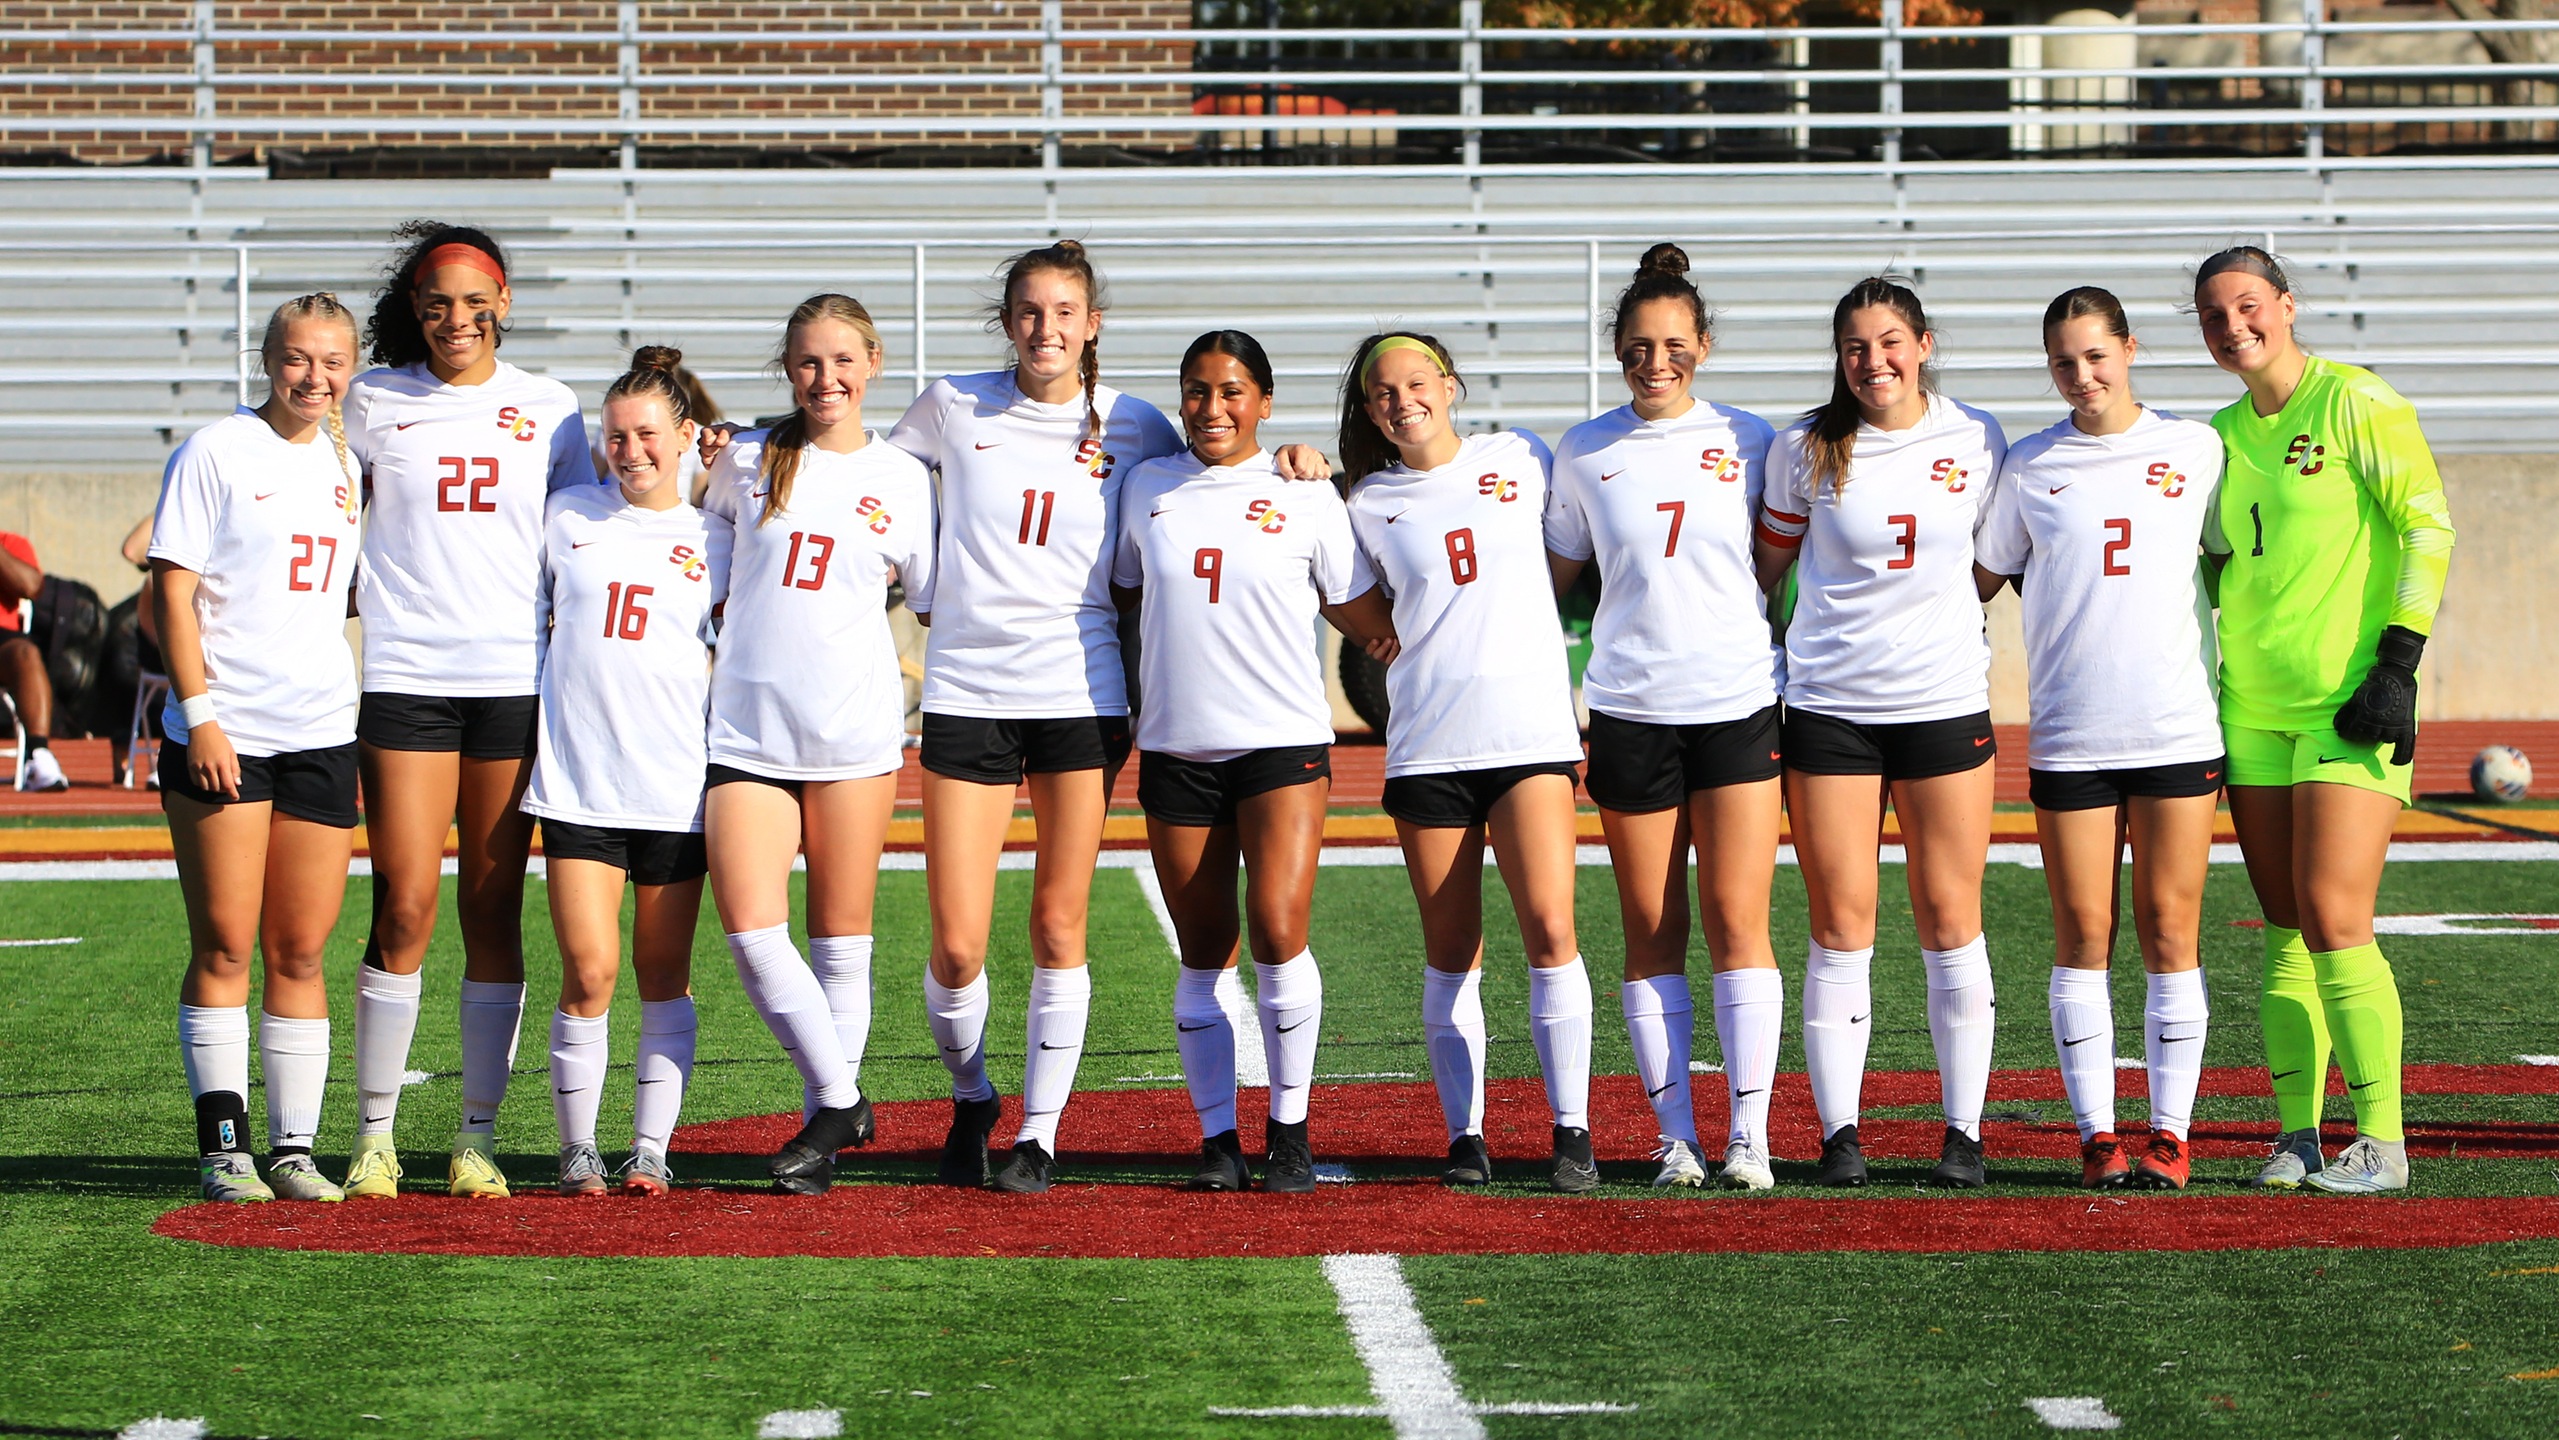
pixel 161 1427
pixel 1252 1065
pixel 2074 1412
pixel 32 944
pixel 2126 1062
pixel 2537 1059
pixel 801 1425
pixel 1406 1371
pixel 1355 1412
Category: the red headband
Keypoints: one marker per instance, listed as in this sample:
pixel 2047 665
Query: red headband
pixel 466 255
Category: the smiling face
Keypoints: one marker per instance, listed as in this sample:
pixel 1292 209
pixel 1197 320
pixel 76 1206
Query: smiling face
pixel 309 367
pixel 830 365
pixel 1660 349
pixel 1050 318
pixel 1881 357
pixel 2247 322
pixel 1223 407
pixel 645 445
pixel 1409 400
pixel 2091 368
pixel 459 310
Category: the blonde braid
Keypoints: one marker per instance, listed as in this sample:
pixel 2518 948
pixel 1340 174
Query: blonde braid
pixel 346 464
pixel 1092 368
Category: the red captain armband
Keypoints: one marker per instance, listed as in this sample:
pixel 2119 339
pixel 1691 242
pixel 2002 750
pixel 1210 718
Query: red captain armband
pixel 1780 538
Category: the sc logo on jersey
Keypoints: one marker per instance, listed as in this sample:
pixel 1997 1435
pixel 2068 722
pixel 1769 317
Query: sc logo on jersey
pixel 1091 456
pixel 1951 475
pixel 1262 517
pixel 2308 458
pixel 516 423
pixel 695 568
pixel 1498 486
pixel 1721 464
pixel 869 511
pixel 2167 479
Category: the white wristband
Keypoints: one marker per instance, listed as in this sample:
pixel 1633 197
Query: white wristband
pixel 196 710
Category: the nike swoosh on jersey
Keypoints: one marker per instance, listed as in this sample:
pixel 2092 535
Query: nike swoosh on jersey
pixel 760 494
pixel 982 445
pixel 1151 514
pixel 1611 475
pixel 580 544
pixel 267 496
pixel 405 424
pixel 1398 515
pixel 2057 489
pixel 2332 759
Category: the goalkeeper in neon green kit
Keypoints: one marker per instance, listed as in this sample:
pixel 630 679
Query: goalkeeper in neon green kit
pixel 2333 540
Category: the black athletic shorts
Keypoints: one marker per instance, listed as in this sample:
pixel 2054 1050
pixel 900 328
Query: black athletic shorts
pixel 718 774
pixel 482 727
pixel 649 857
pixel 1459 798
pixel 1001 752
pixel 1204 792
pixel 2105 789
pixel 313 785
pixel 1637 767
pixel 1917 750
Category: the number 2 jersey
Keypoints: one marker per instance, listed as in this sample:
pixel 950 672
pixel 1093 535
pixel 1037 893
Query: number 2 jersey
pixel 457 476
pixel 265 525
pixel 1482 682
pixel 1023 625
pixel 2104 529
pixel 1888 625
pixel 2334 520
pixel 1235 563
pixel 626 595
pixel 808 685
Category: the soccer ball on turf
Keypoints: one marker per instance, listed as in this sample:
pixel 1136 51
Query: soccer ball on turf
pixel 2500 772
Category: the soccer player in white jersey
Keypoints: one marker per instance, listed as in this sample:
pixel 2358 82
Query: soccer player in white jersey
pixel 1480 732
pixel 631 576
pixel 1682 686
pixel 461 451
pixel 808 714
pixel 251 549
pixel 1230 566
pixel 2099 520
pixel 1887 697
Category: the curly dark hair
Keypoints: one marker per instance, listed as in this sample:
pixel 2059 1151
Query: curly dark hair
pixel 392 334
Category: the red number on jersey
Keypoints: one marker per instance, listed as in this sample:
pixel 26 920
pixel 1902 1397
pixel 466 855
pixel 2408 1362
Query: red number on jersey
pixel 298 576
pixel 1677 510
pixel 1209 565
pixel 479 472
pixel 821 550
pixel 1909 525
pixel 624 619
pixel 2122 531
pixel 1043 501
pixel 1461 556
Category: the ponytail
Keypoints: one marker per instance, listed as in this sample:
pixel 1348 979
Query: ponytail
pixel 1066 257
pixel 1365 448
pixel 1831 441
pixel 318 305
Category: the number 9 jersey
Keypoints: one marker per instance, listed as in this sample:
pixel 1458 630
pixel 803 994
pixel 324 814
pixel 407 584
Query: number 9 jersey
pixel 457 477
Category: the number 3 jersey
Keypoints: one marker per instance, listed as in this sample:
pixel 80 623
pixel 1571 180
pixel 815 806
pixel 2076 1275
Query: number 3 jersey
pixel 1025 627
pixel 1888 625
pixel 1235 563
pixel 265 525
pixel 625 598
pixel 808 685
pixel 1482 682
pixel 456 477
pixel 2104 529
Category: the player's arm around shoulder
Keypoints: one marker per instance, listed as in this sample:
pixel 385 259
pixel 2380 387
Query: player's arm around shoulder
pixel 924 430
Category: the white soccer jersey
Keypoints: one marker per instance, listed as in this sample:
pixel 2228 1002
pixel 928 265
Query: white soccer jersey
pixel 457 476
pixel 264 524
pixel 626 597
pixel 808 685
pixel 2105 529
pixel 1234 563
pixel 1666 508
pixel 1482 681
pixel 1888 625
pixel 1023 626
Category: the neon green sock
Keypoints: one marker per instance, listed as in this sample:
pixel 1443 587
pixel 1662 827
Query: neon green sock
pixel 2295 1028
pixel 2361 997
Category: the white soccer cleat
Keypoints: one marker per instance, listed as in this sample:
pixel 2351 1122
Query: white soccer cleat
pixel 294 1177
pixel 1680 1166
pixel 1745 1168
pixel 39 772
pixel 2367 1167
pixel 2296 1158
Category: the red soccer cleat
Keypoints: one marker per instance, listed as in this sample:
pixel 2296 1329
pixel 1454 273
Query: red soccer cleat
pixel 2102 1163
pixel 2164 1166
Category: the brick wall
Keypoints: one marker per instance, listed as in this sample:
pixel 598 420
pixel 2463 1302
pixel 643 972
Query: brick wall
pixel 782 80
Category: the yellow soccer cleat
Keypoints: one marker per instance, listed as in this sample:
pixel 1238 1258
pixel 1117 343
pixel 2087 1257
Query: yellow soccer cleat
pixel 474 1172
pixel 373 1171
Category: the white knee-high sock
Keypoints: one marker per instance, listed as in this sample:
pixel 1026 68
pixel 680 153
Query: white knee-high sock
pixel 577 1073
pixel 213 1044
pixel 2083 1009
pixel 2172 1024
pixel 1061 1003
pixel 843 966
pixel 492 1019
pixel 1292 1005
pixel 295 1056
pixel 1559 1011
pixel 958 1018
pixel 1750 1015
pixel 794 1009
pixel 1453 1024
pixel 1205 1035
pixel 1839 1016
pixel 1661 1024
pixel 1963 1013
pixel 665 1066
pixel 386 1020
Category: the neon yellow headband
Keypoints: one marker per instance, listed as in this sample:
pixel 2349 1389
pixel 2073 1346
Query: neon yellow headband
pixel 1368 362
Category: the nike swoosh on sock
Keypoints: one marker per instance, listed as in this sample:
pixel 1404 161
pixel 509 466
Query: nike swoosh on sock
pixel 2182 1039
pixel 1185 1029
pixel 1285 1029
pixel 1862 1019
pixel 1047 1046
pixel 1649 1094
pixel 2082 1040
pixel 2283 1075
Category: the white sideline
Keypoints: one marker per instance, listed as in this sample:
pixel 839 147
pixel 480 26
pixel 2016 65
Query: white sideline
pixel 31 944
pixel 1252 1066
pixel 801 1425
pixel 2074 1412
pixel 1406 1371
pixel 161 1427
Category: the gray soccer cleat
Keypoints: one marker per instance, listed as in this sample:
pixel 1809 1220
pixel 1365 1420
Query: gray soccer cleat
pixel 581 1169
pixel 2296 1159
pixel 231 1177
pixel 294 1177
pixel 1680 1166
pixel 2367 1167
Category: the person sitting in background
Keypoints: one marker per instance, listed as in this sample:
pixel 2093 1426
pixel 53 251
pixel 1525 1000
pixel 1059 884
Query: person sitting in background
pixel 22 671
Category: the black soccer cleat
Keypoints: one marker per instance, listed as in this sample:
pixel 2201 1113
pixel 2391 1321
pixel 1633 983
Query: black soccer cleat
pixel 1290 1166
pixel 1575 1173
pixel 1027 1173
pixel 805 1165
pixel 1843 1164
pixel 1222 1164
pixel 814 1179
pixel 964 1149
pixel 1469 1163
pixel 1959 1164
